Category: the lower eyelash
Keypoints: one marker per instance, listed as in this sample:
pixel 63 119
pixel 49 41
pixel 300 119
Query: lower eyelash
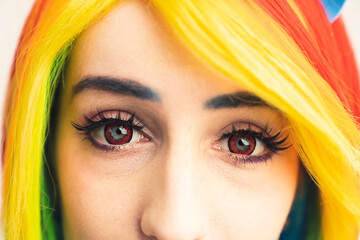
pixel 241 159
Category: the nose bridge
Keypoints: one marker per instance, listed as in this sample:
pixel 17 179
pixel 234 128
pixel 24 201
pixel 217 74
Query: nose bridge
pixel 177 209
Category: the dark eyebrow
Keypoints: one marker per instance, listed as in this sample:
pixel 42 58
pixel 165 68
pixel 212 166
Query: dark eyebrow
pixel 116 85
pixel 235 100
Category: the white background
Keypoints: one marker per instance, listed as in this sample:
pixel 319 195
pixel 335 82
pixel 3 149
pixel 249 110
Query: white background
pixel 13 14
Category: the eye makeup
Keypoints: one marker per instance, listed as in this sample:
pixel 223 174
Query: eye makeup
pixel 112 130
pixel 248 143
pixel 239 142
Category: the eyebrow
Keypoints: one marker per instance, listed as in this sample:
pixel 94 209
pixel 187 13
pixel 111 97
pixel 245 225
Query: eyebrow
pixel 117 85
pixel 232 100
pixel 132 88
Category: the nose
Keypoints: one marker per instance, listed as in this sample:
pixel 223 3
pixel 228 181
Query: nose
pixel 177 209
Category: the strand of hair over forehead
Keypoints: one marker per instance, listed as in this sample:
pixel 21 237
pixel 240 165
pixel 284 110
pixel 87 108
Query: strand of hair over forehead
pixel 287 53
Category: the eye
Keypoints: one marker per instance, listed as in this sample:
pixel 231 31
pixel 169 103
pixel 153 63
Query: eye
pixel 116 133
pixel 247 143
pixel 113 130
pixel 243 144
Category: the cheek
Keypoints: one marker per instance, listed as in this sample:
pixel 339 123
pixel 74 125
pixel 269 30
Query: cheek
pixel 95 204
pixel 102 204
pixel 254 203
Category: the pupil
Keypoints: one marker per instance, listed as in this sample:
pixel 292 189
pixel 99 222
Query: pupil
pixel 118 132
pixel 243 144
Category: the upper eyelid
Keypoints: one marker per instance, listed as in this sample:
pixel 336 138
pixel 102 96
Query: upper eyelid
pixel 91 124
pixel 118 115
pixel 226 135
pixel 233 127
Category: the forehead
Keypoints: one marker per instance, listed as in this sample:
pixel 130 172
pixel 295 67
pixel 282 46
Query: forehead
pixel 134 42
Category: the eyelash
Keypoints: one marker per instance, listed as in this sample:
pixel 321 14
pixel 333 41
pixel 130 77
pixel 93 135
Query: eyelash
pixel 273 143
pixel 91 125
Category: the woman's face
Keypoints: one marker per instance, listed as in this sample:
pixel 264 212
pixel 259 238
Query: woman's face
pixel 152 144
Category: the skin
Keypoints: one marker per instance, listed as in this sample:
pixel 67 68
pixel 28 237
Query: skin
pixel 176 181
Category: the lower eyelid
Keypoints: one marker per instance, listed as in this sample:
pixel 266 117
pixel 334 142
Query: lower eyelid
pixel 255 159
pixel 243 160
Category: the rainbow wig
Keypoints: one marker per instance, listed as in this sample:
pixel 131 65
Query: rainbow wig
pixel 285 51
